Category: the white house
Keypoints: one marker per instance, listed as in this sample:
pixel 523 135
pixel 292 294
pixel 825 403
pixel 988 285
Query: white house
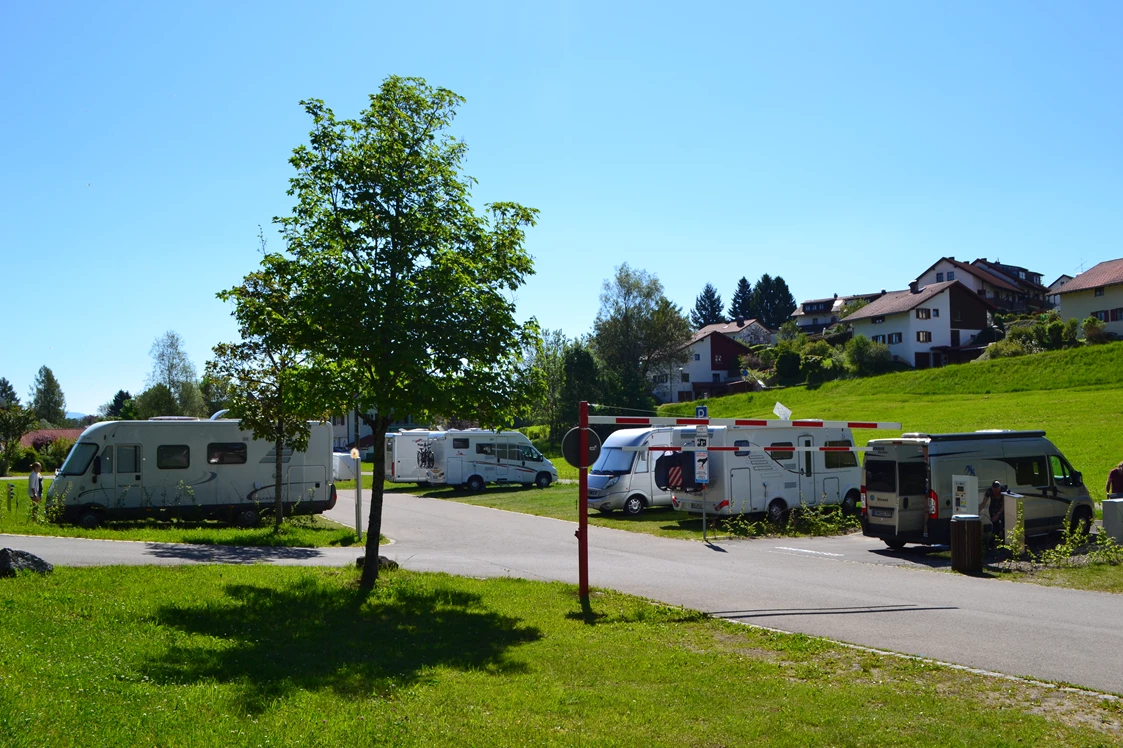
pixel 1053 293
pixel 712 361
pixel 816 315
pixel 926 326
pixel 1097 292
pixel 1000 292
pixel 343 430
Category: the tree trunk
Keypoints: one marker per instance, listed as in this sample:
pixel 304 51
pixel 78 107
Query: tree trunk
pixel 374 523
pixel 278 506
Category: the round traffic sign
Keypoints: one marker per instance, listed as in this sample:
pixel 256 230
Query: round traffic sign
pixel 571 448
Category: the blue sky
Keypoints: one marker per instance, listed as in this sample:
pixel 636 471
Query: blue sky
pixel 843 146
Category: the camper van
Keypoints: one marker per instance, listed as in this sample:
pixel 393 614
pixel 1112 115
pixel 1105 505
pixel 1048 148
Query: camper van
pixel 471 458
pixel 774 469
pixel 908 483
pixel 623 477
pixel 188 468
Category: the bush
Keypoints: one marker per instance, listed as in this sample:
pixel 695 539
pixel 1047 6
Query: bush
pixel 865 358
pixel 3 466
pixel 26 458
pixel 788 368
pixel 1008 348
pixel 55 454
pixel 1094 331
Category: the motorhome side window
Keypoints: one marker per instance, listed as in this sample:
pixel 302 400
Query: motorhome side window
pixel 459 443
pixel 1030 471
pixel 742 443
pixel 782 454
pixel 106 458
pixel 485 449
pixel 1063 474
pixel 834 460
pixel 173 456
pixel 226 453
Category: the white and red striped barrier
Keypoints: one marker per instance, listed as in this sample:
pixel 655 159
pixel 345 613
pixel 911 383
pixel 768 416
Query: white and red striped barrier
pixel 751 422
pixel 744 449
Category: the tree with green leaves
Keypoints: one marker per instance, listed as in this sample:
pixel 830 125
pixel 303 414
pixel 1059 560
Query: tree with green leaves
pixel 741 305
pixel 47 400
pixel 15 421
pixel 156 401
pixel 268 380
pixel 773 301
pixel 582 380
pixel 8 394
pixel 637 334
pixel 112 409
pixel 707 308
pixel 549 360
pixel 405 288
pixel 172 368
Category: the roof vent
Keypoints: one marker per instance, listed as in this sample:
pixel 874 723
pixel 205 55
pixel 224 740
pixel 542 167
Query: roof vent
pixel 914 287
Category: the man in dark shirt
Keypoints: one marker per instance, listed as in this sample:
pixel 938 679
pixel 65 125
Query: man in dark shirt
pixel 1115 480
pixel 997 505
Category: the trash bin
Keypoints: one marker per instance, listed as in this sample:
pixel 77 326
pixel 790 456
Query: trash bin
pixel 967 543
pixel 1113 517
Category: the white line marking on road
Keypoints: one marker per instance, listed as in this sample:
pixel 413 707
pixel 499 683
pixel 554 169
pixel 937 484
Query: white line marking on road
pixel 804 550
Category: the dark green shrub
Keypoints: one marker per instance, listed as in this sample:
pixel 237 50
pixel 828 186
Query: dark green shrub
pixel 788 368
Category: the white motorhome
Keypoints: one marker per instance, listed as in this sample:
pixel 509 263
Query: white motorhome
pixel 623 477
pixel 471 458
pixel 188 468
pixel 772 469
pixel 908 483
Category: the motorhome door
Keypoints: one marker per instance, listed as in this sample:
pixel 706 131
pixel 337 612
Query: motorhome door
pixel 130 487
pixel 807 492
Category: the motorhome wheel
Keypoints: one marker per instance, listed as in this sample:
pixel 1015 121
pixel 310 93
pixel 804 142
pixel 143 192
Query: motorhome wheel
pixel 895 545
pixel 1081 520
pixel 850 503
pixel 543 480
pixel 777 512
pixel 247 518
pixel 633 506
pixel 423 484
pixel 89 519
pixel 475 484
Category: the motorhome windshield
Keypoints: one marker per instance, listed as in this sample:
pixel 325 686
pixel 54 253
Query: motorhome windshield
pixel 613 461
pixel 78 459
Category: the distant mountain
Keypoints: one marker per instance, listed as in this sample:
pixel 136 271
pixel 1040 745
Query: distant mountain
pixel 75 416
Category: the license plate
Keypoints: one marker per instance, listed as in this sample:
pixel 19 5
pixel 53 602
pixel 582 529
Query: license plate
pixel 887 513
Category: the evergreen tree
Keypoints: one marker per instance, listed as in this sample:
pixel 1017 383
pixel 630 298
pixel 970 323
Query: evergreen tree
pixel 112 409
pixel 47 400
pixel 8 396
pixel 741 305
pixel 707 308
pixel 773 301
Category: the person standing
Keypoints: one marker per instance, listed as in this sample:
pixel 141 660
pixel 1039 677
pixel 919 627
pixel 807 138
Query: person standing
pixel 995 503
pixel 1115 480
pixel 35 487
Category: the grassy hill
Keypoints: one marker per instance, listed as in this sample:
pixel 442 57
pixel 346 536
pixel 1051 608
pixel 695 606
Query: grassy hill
pixel 1076 396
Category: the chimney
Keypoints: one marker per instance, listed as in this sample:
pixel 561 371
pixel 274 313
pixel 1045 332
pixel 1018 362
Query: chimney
pixel 914 287
pixel 740 321
pixel 836 296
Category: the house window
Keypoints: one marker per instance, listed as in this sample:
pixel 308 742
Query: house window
pixel 983 292
pixel 685 378
pixel 697 356
pixel 939 277
pixel 923 336
pixel 1022 274
pixel 877 320
pixel 957 315
pixel 951 275
pixel 1101 315
pixel 923 314
pixel 173 457
pixel 1117 314
pixel 935 312
pixel 1100 291
pixel 661 379
pixel 814 320
pixel 894 338
pixel 717 377
pixel 878 338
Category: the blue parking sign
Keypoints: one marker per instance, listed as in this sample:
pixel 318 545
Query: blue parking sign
pixel 701 411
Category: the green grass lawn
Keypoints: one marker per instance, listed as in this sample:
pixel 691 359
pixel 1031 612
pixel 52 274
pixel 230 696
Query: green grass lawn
pixel 273 656
pixel 302 532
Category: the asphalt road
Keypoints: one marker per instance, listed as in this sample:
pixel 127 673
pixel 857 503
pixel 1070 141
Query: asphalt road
pixel 847 588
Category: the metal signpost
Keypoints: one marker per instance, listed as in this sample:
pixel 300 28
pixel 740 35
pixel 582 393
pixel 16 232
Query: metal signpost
pixel 581 447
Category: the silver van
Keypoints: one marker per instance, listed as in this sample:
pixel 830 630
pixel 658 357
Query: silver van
pixel 623 477
pixel 907 490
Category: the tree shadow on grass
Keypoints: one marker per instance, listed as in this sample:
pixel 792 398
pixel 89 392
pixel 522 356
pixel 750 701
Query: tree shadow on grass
pixel 315 636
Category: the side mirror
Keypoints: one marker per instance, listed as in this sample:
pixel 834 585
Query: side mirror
pixel 1077 478
pixel 97 466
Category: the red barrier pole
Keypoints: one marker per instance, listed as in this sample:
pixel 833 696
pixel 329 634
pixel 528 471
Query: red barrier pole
pixel 583 506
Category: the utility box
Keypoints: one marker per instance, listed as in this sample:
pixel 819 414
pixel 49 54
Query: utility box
pixel 964 494
pixel 1113 519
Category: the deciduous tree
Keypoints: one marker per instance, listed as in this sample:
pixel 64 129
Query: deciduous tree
pixel 15 421
pixel 47 400
pixel 549 360
pixel 155 401
pixel 402 282
pixel 637 333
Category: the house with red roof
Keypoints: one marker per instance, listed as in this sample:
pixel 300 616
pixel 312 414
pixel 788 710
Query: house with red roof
pixel 1097 292
pixel 926 325
pixel 1003 294
pixel 713 361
